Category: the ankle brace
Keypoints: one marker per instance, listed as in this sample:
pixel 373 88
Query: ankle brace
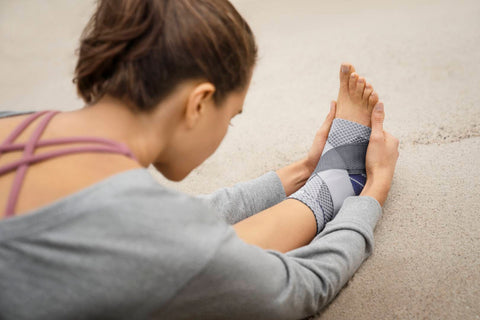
pixel 339 174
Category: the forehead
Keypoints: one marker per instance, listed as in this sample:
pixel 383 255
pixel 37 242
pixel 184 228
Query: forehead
pixel 235 100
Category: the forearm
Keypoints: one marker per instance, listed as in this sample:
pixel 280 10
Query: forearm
pixel 239 277
pixel 284 227
pixel 246 198
pixel 294 176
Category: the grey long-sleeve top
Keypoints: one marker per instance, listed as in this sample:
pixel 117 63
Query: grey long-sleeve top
pixel 129 248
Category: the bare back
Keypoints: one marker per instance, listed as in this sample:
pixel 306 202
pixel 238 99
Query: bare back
pixel 48 181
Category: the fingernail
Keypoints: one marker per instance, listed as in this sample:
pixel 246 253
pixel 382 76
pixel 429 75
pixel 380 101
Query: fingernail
pixel 379 107
pixel 332 105
pixel 345 69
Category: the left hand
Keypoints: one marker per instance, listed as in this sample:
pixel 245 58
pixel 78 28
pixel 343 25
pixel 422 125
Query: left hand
pixel 294 176
pixel 320 139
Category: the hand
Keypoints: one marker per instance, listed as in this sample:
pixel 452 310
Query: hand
pixel 294 176
pixel 320 139
pixel 382 155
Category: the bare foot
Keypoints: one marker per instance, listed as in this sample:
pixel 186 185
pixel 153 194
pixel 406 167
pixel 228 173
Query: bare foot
pixel 356 97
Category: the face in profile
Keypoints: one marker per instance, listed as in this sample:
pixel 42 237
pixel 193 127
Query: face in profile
pixel 192 147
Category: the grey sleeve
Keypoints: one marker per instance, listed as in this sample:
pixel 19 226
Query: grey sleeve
pixel 247 198
pixel 243 281
pixel 6 114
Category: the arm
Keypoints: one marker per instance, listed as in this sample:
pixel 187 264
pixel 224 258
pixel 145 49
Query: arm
pixel 294 176
pixel 248 198
pixel 291 224
pixel 245 282
pixel 242 281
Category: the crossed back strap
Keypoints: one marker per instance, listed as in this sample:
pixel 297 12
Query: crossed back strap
pixel 29 147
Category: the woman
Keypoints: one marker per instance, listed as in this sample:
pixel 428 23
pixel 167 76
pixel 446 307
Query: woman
pixel 88 233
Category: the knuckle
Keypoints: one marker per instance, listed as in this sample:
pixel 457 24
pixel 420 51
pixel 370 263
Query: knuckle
pixel 376 136
pixel 378 117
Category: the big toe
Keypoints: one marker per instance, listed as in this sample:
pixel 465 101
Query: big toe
pixel 345 71
pixel 352 83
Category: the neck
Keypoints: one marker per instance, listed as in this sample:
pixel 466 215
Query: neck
pixel 144 134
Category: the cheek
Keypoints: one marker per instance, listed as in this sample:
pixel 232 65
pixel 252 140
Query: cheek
pixel 190 152
pixel 214 139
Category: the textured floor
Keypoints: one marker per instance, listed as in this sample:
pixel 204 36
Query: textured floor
pixel 422 56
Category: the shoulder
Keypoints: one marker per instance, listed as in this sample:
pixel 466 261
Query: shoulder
pixel 127 237
pixel 128 209
pixel 172 233
pixel 138 192
pixel 169 222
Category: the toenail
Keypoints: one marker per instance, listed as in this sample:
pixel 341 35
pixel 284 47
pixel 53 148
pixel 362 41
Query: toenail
pixel 345 69
pixel 353 75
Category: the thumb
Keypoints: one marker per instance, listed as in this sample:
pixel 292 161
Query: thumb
pixel 378 115
pixel 333 109
pixel 325 128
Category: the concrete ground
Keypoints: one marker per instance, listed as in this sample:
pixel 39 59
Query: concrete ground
pixel 422 56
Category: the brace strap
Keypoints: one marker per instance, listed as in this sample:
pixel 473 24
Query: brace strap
pixel 350 157
pixel 342 186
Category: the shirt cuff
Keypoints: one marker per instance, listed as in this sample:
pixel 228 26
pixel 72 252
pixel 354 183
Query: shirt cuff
pixel 362 209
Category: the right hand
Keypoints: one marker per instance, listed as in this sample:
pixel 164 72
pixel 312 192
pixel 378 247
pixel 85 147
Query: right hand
pixel 382 155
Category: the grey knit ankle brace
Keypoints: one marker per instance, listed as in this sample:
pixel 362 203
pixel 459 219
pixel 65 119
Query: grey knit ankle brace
pixel 341 166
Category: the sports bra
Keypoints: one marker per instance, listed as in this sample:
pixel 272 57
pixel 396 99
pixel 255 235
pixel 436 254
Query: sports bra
pixel 34 141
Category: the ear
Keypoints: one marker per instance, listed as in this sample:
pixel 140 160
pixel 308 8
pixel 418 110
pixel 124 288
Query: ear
pixel 198 100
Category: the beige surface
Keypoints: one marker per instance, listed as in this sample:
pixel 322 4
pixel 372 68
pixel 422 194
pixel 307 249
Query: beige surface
pixel 423 57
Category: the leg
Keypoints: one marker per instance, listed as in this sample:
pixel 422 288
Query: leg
pixel 291 224
pixel 283 227
pixel 340 172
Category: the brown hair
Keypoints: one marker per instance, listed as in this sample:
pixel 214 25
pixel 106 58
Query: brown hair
pixel 140 50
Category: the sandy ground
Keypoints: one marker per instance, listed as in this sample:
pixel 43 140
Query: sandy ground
pixel 422 56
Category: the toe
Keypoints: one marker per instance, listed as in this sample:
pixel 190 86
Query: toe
pixel 367 92
pixel 345 71
pixel 360 87
pixel 352 83
pixel 372 100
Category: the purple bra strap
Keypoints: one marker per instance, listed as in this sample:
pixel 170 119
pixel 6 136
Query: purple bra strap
pixel 18 130
pixel 29 149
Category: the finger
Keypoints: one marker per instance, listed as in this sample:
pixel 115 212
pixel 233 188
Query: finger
pixel 378 115
pixel 325 128
pixel 333 107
